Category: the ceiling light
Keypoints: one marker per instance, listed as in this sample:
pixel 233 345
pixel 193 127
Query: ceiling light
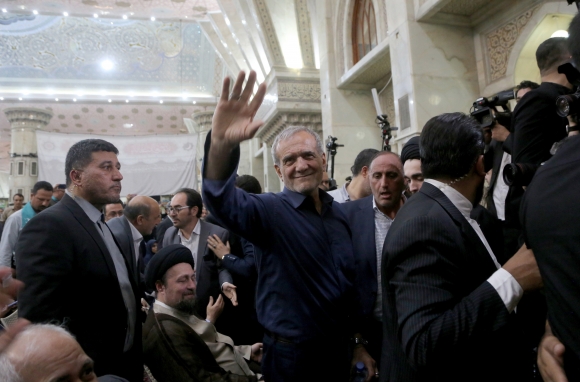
pixel 1 98
pixel 124 17
pixel 22 7
pixel 194 102
pixel 65 14
pixel 74 100
pixel 110 100
pixel 560 33
pixel 19 98
pixel 4 10
pixel 131 13
pixel 35 12
pixel 161 101
pixel 95 16
pixel 127 125
pixel 185 16
pixel 244 22
pixel 126 101
pixel 56 99
pixel 152 18
pixel 107 64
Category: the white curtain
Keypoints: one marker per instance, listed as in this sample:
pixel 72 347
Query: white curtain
pixel 150 164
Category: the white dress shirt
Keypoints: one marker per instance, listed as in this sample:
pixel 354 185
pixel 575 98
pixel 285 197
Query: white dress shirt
pixel 193 242
pixel 500 190
pixel 137 238
pixel 509 290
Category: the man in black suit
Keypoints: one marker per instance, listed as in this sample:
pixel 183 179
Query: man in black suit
pixel 74 271
pixel 369 219
pixel 536 126
pixel 447 301
pixel 188 229
pixel 549 216
pixel 141 215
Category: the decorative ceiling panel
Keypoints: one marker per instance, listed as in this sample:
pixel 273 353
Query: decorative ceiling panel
pixel 168 58
pixel 141 9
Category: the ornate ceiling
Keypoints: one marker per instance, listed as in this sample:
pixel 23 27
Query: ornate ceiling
pixel 133 9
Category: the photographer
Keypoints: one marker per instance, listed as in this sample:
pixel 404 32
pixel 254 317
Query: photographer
pixel 536 125
pixel 550 211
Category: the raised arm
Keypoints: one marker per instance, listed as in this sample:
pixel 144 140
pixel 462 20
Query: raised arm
pixel 233 122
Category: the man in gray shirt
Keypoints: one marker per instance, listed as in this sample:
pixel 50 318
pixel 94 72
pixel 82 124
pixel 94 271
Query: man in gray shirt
pixel 75 273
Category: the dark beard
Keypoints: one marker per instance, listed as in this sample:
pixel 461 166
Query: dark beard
pixel 188 306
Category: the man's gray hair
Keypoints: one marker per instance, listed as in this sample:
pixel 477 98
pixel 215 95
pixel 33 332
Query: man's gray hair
pixel 289 132
pixel 31 335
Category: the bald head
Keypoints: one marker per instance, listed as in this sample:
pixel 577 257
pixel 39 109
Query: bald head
pixel 144 213
pixel 45 353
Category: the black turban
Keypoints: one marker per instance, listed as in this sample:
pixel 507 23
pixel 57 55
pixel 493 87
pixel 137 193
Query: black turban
pixel 411 150
pixel 166 258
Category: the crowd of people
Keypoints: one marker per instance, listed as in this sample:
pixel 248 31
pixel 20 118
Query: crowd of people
pixel 429 265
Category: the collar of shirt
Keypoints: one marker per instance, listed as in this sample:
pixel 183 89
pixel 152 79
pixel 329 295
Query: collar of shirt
pixel 175 312
pixel 296 199
pixel 461 202
pixel 196 230
pixel 403 197
pixel 92 212
pixel 137 237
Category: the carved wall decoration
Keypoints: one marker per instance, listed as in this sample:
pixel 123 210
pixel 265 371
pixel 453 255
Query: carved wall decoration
pixel 299 91
pixel 305 33
pixel 500 42
pixel 267 28
pixel 464 7
pixel 283 120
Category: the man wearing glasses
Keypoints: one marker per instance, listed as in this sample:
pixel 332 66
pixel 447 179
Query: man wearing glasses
pixel 192 232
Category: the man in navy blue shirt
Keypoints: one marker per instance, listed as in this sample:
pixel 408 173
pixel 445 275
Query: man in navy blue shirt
pixel 302 241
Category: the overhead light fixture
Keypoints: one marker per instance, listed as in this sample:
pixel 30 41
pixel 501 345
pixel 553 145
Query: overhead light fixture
pixel 244 22
pixel 35 12
pixel 65 14
pixel 107 64
pixel 560 33
pixel 131 13
pixel 74 100
pixel 126 101
pixel 152 18
pixel 56 99
pixel 1 98
pixel 194 102
pixel 96 16
pixel 110 100
pixel 4 10
pixel 185 16
pixel 127 125
pixel 161 101
pixel 124 17
pixel 19 98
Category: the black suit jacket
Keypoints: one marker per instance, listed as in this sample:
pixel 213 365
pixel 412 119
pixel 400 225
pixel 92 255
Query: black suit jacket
pixel 361 219
pixel 442 320
pixel 121 229
pixel 210 274
pixel 549 216
pixel 70 278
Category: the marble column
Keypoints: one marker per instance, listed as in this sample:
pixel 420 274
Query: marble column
pixel 24 122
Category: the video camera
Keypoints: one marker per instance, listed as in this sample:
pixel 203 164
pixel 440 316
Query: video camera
pixel 568 104
pixel 482 109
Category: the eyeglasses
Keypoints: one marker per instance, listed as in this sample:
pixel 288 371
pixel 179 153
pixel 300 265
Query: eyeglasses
pixel 176 209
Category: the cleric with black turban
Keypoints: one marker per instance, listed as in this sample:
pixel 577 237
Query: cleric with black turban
pixel 163 260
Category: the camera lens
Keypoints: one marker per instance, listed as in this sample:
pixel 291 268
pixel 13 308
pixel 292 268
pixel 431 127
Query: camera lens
pixel 563 105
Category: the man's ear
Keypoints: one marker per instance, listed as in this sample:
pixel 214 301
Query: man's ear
pixel 194 210
pixel 159 287
pixel 279 172
pixel 364 171
pixel 480 166
pixel 324 162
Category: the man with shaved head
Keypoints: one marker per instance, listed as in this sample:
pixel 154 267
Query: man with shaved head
pixel 32 357
pixel 370 219
pixel 141 215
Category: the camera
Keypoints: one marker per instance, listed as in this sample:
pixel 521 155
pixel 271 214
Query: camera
pixel 482 109
pixel 569 104
pixel 519 174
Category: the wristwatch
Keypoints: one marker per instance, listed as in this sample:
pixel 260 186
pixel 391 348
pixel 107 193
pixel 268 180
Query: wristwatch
pixel 359 341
